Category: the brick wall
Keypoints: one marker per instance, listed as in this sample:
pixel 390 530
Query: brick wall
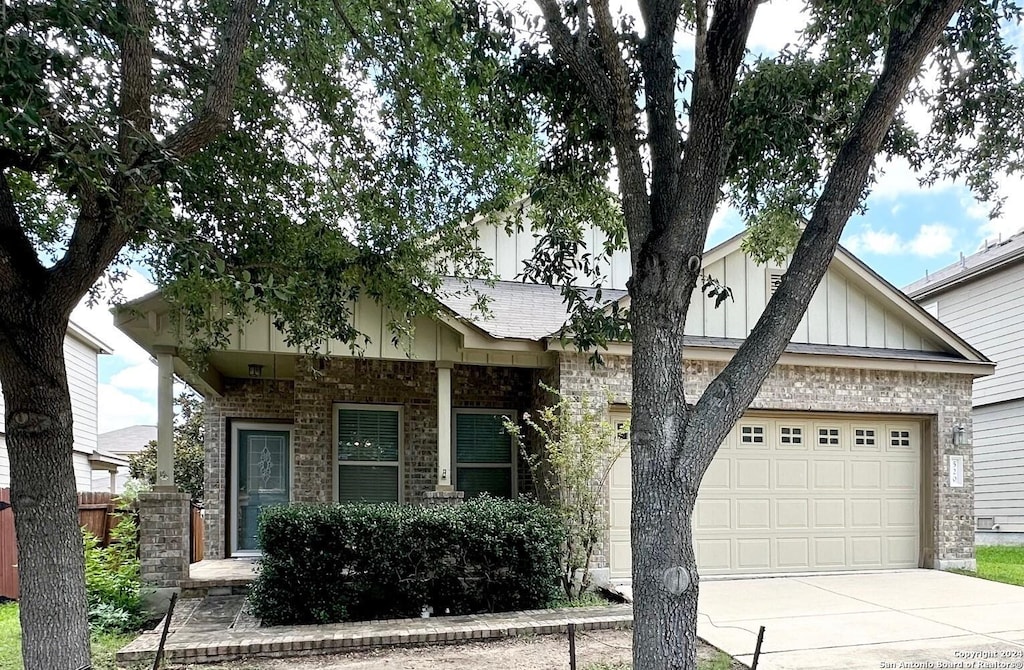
pixel 243 400
pixel 164 540
pixel 308 405
pixel 941 398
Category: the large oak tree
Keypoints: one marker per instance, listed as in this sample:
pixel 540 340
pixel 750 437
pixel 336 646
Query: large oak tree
pixel 280 156
pixel 790 139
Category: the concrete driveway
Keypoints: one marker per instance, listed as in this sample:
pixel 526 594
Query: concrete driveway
pixel 898 619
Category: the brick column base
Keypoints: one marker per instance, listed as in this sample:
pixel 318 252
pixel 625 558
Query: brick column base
pixel 442 498
pixel 164 538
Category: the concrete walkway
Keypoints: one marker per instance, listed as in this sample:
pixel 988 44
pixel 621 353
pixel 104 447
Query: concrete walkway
pixel 216 628
pixel 877 620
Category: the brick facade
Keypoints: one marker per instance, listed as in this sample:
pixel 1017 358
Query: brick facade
pixel 264 401
pixel 164 541
pixel 307 404
pixel 940 399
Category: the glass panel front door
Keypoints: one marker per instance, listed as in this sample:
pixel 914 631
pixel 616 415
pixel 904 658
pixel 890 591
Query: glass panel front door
pixel 264 479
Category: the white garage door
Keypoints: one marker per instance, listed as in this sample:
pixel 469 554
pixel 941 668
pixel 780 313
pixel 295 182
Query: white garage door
pixel 796 495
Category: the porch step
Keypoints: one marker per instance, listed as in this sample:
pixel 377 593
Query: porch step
pixel 194 641
pixel 219 577
pixel 201 589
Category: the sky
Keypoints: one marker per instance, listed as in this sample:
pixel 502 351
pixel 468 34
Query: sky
pixel 906 231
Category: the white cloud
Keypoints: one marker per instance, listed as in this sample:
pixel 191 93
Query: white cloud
pixel 896 179
pixel 775 25
pixel 140 377
pixel 1011 217
pixel 118 409
pixel 874 241
pixel 931 239
pixel 127 398
pixel 98 320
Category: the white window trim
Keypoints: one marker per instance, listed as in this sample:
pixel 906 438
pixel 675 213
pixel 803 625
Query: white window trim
pixel 398 409
pixel 514 455
pixel 236 427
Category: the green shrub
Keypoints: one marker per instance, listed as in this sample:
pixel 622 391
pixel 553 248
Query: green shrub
pixel 329 563
pixel 112 580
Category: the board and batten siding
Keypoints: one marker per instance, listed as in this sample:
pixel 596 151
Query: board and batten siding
pixel 843 312
pixel 999 464
pixel 510 250
pixel 989 313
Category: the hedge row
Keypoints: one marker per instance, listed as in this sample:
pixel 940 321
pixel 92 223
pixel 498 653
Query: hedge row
pixel 329 563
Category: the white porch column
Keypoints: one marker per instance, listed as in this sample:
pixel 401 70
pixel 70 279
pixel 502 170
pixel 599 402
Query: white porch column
pixel 165 423
pixel 444 426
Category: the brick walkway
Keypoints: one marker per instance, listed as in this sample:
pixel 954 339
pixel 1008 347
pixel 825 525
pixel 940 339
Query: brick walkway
pixel 213 629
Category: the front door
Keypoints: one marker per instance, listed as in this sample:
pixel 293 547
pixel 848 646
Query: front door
pixel 262 478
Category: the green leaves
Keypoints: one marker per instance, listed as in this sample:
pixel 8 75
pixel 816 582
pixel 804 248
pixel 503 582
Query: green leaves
pixel 329 563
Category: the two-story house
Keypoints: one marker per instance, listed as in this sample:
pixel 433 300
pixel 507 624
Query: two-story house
pixel 981 297
pixel 81 358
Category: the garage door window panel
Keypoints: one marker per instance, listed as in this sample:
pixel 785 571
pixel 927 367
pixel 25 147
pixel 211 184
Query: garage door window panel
pixel 753 436
pixel 792 436
pixel 828 438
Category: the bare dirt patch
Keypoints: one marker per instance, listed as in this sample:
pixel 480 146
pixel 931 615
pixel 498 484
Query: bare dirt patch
pixel 542 652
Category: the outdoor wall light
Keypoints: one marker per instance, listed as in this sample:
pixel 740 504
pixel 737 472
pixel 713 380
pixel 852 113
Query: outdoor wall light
pixel 959 434
pixel 255 370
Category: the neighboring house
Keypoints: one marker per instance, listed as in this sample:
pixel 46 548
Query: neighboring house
pixel 81 352
pixel 123 443
pixel 982 298
pixel 842 462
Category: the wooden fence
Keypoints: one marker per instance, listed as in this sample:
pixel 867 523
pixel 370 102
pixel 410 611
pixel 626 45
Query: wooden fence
pixel 96 513
pixel 197 533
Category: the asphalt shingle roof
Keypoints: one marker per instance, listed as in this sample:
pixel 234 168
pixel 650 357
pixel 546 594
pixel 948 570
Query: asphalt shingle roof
pixel 515 310
pixel 128 440
pixel 993 254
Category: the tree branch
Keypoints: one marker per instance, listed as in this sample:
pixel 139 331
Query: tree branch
pixel 664 139
pixel 681 228
pixel 215 117
pixel 737 385
pixel 612 101
pixel 19 265
pixel 136 90
pixel 106 224
pixel 9 158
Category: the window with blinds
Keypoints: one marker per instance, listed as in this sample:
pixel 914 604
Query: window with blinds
pixel 484 453
pixel 369 453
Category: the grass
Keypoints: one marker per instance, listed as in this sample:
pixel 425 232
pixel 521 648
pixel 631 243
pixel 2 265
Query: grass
pixel 587 599
pixel 104 645
pixel 999 564
pixel 720 662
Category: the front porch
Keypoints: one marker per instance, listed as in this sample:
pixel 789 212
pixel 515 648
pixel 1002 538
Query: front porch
pixel 414 420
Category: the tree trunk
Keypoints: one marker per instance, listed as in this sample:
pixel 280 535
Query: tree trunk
pixel 664 621
pixel 54 612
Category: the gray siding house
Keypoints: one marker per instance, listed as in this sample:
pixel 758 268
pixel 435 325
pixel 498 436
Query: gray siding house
pixel 981 297
pixel 93 467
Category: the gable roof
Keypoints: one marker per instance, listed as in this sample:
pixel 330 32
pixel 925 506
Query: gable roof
pixel 989 259
pixel 879 288
pixel 128 440
pixel 80 333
